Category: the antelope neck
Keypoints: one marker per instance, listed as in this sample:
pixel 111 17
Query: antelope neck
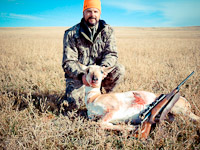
pixel 91 94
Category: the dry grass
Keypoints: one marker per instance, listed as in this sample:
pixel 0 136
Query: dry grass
pixel 32 82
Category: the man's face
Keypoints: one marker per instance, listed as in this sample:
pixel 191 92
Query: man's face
pixel 91 16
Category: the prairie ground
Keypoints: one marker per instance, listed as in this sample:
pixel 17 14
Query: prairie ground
pixel 32 82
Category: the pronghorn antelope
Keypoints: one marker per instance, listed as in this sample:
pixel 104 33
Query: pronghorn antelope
pixel 113 108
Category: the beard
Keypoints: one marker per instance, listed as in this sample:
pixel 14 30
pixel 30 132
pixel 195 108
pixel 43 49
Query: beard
pixel 91 24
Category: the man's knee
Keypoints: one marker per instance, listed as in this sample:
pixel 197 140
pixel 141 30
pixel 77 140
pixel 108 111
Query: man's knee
pixel 117 74
pixel 113 78
pixel 120 71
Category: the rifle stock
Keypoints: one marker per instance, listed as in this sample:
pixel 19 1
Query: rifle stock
pixel 145 130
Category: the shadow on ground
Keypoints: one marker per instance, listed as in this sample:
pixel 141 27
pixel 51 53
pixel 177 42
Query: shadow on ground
pixel 44 102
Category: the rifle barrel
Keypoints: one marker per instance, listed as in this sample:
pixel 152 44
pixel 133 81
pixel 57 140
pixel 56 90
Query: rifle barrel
pixel 185 80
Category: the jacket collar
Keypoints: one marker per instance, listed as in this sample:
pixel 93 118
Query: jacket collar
pixel 84 30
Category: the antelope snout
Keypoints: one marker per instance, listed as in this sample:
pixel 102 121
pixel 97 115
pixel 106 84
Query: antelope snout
pixel 94 79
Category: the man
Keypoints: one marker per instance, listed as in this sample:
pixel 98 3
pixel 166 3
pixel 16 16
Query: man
pixel 89 42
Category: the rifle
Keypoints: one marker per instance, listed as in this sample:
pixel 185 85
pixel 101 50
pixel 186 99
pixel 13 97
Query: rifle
pixel 163 105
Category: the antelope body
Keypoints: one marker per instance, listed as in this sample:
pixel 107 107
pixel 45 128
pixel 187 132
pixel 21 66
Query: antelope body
pixel 113 108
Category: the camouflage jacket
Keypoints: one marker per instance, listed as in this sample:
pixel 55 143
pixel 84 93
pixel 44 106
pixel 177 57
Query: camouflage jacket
pixel 78 47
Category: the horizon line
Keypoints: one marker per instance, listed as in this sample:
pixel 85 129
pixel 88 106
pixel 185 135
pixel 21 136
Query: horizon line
pixel 110 25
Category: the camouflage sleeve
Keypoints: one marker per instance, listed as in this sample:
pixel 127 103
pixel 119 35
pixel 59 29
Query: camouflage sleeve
pixel 110 50
pixel 70 57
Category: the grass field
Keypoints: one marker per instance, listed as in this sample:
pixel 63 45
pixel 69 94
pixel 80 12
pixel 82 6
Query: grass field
pixel 32 82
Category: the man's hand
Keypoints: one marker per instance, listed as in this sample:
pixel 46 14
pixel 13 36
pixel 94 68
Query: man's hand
pixel 104 72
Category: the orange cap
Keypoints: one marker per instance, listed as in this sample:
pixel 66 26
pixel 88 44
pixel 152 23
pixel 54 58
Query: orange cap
pixel 92 4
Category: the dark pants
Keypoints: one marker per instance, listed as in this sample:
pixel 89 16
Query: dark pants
pixel 75 90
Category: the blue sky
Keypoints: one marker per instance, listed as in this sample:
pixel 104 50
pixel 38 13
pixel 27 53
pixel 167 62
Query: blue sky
pixel 136 13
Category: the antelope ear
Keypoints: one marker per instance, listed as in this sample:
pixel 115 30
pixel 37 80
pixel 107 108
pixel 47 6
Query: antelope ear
pixel 107 69
pixel 82 67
